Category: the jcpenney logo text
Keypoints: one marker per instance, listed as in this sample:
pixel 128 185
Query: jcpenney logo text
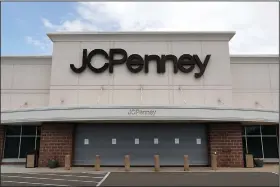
pixel 135 63
pixel 138 112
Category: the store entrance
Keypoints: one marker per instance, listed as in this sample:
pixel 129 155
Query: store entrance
pixel 141 141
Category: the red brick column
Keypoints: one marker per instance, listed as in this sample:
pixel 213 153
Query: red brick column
pixel 226 141
pixel 56 142
pixel 2 139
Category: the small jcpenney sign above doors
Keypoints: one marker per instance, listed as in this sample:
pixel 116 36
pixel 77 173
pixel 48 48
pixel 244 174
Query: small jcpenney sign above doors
pixel 140 112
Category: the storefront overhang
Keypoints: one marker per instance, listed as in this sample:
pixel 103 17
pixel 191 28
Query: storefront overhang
pixel 137 113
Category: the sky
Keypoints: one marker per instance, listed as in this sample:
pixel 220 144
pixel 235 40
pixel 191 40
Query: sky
pixel 24 25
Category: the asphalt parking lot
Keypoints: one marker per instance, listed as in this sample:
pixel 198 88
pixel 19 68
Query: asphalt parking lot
pixel 192 179
pixel 51 179
pixel 142 179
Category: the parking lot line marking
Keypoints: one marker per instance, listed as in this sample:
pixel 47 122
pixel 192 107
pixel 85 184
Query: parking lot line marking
pixel 81 181
pixel 98 184
pixel 49 179
pixel 96 172
pixel 35 183
pixel 66 175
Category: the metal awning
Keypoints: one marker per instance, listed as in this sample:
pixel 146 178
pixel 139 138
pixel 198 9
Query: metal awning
pixel 137 113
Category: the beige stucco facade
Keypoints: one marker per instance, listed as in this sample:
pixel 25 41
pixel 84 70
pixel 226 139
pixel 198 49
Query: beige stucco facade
pixel 230 82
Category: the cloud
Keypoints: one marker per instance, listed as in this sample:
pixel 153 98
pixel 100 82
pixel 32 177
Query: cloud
pixel 48 24
pixel 256 23
pixel 44 44
pixel 74 25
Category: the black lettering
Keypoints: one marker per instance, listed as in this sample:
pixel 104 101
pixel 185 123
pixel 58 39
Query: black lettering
pixel 164 59
pixel 135 60
pixel 201 66
pixel 84 64
pixel 152 58
pixel 186 60
pixel 91 55
pixel 113 62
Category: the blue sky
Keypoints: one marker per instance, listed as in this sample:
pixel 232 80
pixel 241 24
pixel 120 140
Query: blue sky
pixel 25 24
pixel 24 19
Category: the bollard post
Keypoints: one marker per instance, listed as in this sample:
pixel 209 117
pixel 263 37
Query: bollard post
pixel 126 163
pixel 156 159
pixel 249 161
pixel 67 162
pixel 186 163
pixel 97 163
pixel 214 161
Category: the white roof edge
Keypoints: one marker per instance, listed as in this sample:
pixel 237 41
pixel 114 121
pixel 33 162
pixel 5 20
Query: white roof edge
pixel 142 32
pixel 255 56
pixel 28 56
pixel 155 35
pixel 231 56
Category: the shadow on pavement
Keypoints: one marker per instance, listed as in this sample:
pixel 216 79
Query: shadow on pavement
pixel 191 179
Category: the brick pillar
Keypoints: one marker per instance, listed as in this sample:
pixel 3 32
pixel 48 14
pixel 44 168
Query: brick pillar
pixel 226 141
pixel 56 142
pixel 2 139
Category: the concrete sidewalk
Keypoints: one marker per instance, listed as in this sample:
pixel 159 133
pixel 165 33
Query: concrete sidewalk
pixel 21 169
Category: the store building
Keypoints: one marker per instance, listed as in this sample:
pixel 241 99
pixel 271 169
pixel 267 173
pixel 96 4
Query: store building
pixel 140 93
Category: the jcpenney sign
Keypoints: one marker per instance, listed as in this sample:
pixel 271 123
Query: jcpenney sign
pixel 136 63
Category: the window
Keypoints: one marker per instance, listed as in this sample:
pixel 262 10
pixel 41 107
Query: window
pixel 254 146
pixel 21 139
pixel 270 147
pixel 253 130
pixel 269 130
pixel 11 147
pixel 13 130
pixel 261 141
pixel 28 130
pixel 27 144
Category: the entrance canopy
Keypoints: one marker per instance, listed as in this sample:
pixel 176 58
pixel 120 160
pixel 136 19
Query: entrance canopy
pixel 137 113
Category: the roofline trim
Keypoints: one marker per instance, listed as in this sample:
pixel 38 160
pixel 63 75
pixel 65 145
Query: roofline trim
pixel 254 56
pixel 141 36
pixel 28 56
pixel 231 56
